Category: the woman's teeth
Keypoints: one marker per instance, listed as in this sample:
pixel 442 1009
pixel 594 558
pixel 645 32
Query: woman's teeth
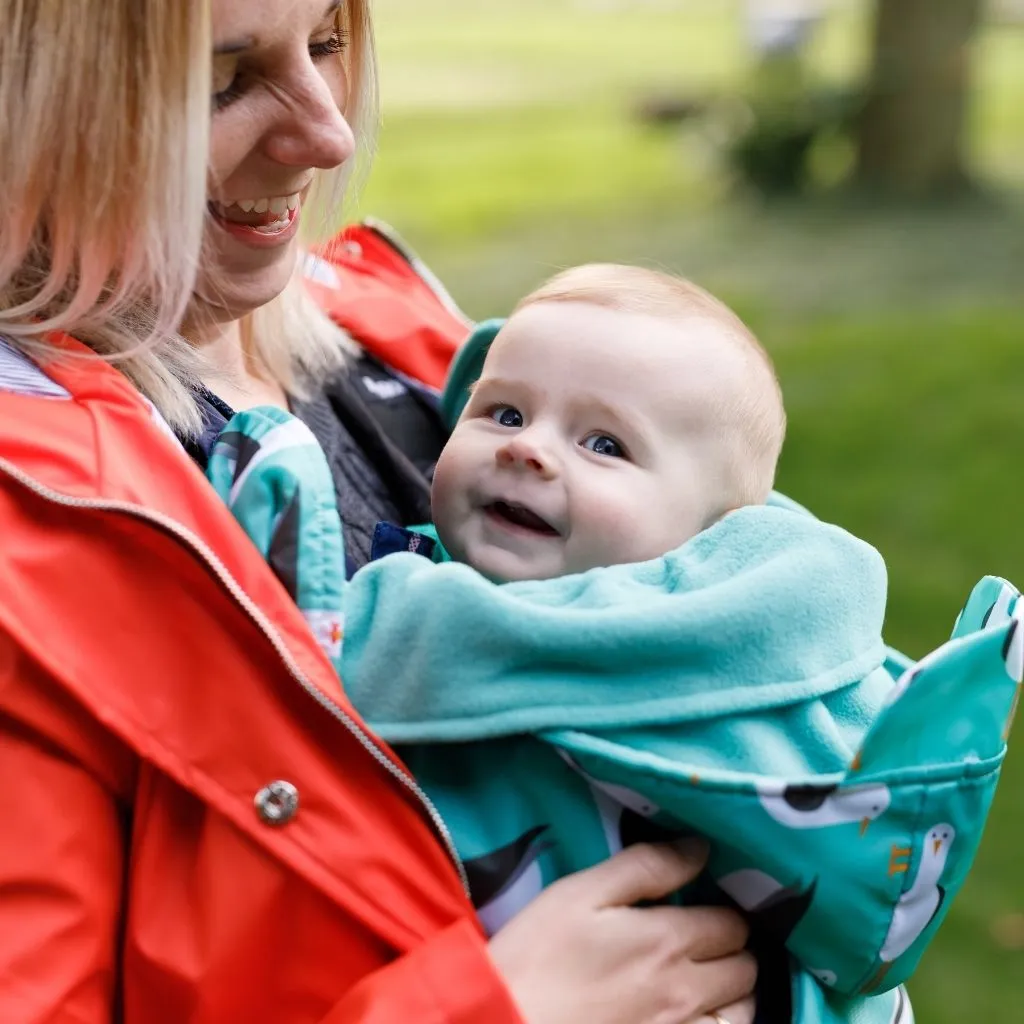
pixel 268 214
pixel 276 205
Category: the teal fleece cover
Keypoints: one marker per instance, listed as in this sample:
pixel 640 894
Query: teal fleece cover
pixel 746 618
pixel 735 688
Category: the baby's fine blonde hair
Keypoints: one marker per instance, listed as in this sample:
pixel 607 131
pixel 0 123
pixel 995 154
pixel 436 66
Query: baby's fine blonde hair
pixel 751 416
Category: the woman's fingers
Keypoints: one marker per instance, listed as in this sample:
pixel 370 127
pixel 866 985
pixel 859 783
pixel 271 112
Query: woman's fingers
pixel 742 1012
pixel 642 872
pixel 706 933
pixel 726 982
pixel 583 953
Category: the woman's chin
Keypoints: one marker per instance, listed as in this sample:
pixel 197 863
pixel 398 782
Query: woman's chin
pixel 233 291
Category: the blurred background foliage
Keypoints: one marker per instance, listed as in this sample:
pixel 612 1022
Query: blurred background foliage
pixel 881 266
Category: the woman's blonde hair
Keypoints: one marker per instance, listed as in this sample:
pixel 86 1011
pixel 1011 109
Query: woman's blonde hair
pixel 104 115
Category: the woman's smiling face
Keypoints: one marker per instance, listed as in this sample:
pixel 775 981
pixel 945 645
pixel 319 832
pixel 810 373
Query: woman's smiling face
pixel 279 89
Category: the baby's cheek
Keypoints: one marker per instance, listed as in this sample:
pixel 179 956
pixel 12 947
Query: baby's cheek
pixel 630 523
pixel 448 500
pixel 612 528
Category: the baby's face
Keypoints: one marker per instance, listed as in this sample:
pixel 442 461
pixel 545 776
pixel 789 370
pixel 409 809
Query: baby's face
pixel 589 440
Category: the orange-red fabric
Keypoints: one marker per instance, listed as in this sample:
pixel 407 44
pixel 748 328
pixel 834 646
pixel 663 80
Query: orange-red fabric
pixel 143 705
pixel 380 295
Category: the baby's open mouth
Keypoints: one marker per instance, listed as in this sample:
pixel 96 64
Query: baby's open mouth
pixel 520 516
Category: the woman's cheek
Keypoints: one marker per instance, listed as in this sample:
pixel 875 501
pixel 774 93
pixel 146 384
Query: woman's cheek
pixel 228 150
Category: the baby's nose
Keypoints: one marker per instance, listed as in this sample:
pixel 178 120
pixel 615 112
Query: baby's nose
pixel 520 453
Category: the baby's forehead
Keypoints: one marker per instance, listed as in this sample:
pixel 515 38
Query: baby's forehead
pixel 673 375
pixel 671 346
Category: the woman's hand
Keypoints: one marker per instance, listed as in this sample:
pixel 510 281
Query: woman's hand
pixel 581 953
pixel 737 1013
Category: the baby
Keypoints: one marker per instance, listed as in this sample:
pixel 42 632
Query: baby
pixel 620 412
pixel 628 643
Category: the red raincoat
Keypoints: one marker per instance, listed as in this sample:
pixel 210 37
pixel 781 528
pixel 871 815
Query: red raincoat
pixel 197 827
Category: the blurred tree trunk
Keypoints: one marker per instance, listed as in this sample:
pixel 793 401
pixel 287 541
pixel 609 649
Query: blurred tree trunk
pixel 911 138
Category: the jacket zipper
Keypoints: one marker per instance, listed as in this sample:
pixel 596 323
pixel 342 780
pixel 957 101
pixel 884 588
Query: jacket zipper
pixel 202 551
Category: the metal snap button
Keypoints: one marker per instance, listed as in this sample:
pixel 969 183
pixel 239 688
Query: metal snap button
pixel 277 803
pixel 352 249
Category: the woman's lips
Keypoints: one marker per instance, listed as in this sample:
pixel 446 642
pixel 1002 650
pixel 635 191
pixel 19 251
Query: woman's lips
pixel 264 221
pixel 254 211
pixel 269 228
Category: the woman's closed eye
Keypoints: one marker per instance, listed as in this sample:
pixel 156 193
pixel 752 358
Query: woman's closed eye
pixel 334 43
pixel 603 444
pixel 228 79
pixel 506 416
pixel 239 80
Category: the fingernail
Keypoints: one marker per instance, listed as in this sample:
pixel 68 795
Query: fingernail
pixel 692 846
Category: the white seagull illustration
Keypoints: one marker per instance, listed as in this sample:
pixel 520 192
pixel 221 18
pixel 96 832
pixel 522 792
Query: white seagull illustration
pixel 773 908
pixel 921 902
pixel 999 613
pixel 614 803
pixel 814 806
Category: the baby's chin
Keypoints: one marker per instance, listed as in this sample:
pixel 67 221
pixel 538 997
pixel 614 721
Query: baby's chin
pixel 501 567
pixel 465 544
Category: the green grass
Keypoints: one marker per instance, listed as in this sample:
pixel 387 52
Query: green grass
pixel 510 149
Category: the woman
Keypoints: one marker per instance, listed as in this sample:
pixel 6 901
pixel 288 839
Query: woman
pixel 202 830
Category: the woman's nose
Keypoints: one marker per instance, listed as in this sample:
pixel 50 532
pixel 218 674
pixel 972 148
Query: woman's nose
pixel 521 453
pixel 312 131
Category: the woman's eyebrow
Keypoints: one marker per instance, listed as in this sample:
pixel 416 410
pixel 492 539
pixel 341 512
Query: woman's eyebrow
pixel 240 45
pixel 236 46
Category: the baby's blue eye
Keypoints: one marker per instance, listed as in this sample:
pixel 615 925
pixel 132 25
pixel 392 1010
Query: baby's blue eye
pixel 602 444
pixel 507 416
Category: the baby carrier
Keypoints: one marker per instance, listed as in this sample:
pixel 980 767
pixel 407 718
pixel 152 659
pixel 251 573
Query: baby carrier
pixel 852 871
